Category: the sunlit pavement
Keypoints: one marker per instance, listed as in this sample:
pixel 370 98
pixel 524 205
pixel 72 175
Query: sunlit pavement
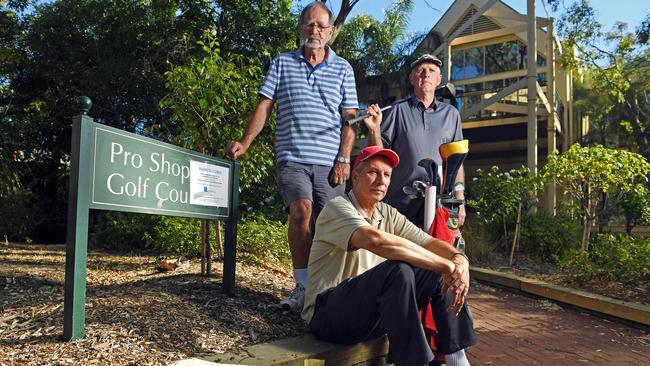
pixel 517 330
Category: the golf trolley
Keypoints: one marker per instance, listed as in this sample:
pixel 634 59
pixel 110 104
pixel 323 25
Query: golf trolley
pixel 437 189
pixel 441 210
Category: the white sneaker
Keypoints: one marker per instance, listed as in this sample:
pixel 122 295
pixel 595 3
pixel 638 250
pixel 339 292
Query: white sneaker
pixel 295 300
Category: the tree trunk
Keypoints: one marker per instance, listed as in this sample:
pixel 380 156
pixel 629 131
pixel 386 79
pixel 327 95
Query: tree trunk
pixel 601 209
pixel 636 116
pixel 505 227
pixel 589 219
pixel 629 225
pixel 515 240
pixel 217 239
pixel 344 11
pixel 202 235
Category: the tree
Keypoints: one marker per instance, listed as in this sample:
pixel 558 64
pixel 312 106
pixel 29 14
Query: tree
pixel 116 52
pixel 587 172
pixel 498 196
pixel 618 73
pixel 377 47
pixel 212 96
pixel 635 205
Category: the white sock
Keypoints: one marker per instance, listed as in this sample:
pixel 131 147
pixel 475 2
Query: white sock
pixel 300 274
pixel 457 358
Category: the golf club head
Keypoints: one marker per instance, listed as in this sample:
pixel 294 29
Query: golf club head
pixel 431 169
pixel 453 155
pixel 447 91
pixel 410 191
pixel 419 186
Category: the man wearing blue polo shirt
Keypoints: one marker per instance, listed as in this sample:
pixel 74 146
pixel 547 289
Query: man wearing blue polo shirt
pixel 315 92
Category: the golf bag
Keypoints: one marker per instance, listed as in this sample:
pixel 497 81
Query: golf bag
pixel 444 223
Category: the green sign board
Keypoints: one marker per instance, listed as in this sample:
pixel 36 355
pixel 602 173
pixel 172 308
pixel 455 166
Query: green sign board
pixel 137 174
pixel 115 170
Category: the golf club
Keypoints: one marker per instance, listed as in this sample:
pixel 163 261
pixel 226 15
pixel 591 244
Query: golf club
pixel 357 119
pixel 447 90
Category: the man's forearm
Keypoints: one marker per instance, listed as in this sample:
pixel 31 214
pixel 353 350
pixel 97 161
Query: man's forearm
pixel 441 248
pixel 374 138
pixel 256 121
pixel 394 247
pixel 460 178
pixel 348 134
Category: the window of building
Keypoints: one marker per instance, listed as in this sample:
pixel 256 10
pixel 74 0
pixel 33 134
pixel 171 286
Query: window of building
pixel 490 59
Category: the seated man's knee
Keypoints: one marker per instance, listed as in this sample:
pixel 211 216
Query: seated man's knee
pixel 401 271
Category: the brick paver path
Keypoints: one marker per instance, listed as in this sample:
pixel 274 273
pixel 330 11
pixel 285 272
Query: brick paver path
pixel 517 330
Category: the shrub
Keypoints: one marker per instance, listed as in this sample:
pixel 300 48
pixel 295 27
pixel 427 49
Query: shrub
pixel 620 258
pixel 17 214
pixel 261 240
pixel 481 241
pixel 547 237
pixel 177 235
pixel 120 231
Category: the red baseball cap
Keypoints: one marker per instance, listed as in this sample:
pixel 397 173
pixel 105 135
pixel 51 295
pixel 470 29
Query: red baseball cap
pixel 371 151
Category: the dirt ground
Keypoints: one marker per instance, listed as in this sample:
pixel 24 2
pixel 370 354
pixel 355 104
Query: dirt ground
pixel 135 315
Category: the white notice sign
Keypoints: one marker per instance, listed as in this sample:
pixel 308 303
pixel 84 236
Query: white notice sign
pixel 208 184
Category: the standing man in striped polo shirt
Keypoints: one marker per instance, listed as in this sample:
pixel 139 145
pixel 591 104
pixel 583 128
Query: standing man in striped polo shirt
pixel 315 92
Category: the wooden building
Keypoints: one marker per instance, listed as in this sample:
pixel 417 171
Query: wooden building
pixel 484 47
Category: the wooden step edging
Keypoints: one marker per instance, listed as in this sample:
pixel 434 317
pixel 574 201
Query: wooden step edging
pixel 635 312
pixel 303 350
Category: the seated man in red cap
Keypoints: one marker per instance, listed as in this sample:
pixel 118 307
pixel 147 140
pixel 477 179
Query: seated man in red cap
pixel 371 270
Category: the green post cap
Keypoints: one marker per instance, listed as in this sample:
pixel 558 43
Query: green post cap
pixel 84 103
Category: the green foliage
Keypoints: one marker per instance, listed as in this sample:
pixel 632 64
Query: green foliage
pixel 376 48
pixel 548 237
pixel 256 29
pixel 177 235
pixel 495 195
pixel 120 231
pixel 612 258
pixel 261 240
pixel 616 77
pixel 114 51
pixel 481 241
pixel 212 96
pixel 585 172
pixel 18 216
pixel 635 205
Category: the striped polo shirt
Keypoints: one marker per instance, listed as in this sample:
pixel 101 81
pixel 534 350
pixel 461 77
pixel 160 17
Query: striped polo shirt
pixel 310 101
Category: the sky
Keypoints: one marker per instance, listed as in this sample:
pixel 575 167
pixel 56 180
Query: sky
pixel 424 17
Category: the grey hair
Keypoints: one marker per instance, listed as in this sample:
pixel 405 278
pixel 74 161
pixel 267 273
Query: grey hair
pixel 361 166
pixel 313 5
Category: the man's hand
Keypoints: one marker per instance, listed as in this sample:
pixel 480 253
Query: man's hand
pixel 235 149
pixel 458 282
pixel 373 118
pixel 340 173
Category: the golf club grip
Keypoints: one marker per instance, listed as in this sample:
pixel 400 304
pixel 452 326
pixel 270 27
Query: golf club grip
pixel 357 119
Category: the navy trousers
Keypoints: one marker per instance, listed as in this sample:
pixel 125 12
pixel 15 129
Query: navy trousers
pixel 386 299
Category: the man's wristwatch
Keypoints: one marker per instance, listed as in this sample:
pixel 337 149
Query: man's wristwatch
pixel 459 186
pixel 343 159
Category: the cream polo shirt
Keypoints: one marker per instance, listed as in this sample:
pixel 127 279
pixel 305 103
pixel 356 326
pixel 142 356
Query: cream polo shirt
pixel 332 261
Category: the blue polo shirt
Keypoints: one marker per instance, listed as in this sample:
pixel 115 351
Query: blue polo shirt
pixel 310 101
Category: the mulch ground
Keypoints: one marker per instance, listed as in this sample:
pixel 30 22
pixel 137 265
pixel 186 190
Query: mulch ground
pixel 135 315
